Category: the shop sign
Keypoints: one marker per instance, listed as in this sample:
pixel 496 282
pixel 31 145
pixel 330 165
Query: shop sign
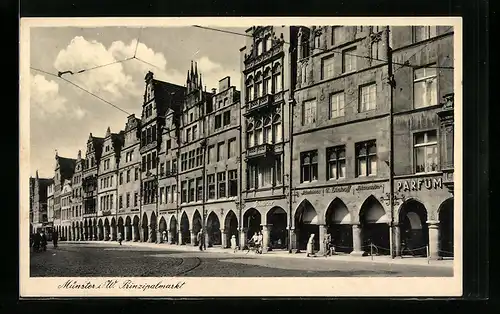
pixel 264 203
pixel 369 187
pixel 420 184
pixel 333 189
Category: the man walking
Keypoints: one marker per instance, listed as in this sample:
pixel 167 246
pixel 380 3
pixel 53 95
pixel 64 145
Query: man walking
pixel 199 238
pixel 120 238
pixel 54 238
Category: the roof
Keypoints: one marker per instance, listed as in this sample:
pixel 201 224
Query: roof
pixel 66 166
pixel 167 95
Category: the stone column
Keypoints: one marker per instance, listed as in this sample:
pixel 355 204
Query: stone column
pixel 243 237
pixel 86 233
pixel 357 241
pixel 293 235
pixel 95 233
pixel 322 235
pixel 207 241
pixel 192 236
pixel 159 235
pixel 433 239
pixel 125 233
pixel 223 238
pixel 114 233
pixel 396 239
pixel 134 233
pixel 170 238
pixel 106 234
pixel 179 240
pixel 265 237
pixel 99 233
pixel 151 231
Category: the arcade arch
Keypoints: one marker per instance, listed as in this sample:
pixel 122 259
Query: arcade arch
pixel 306 223
pixel 338 224
pixel 213 230
pixel 414 233
pixel 446 219
pixel 277 222
pixel 374 226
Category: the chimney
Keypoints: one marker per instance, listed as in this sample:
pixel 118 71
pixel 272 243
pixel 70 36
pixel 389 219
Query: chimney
pixel 214 90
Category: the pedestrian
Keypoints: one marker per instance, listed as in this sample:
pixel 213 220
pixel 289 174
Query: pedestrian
pixel 36 242
pixel 164 233
pixel 326 243
pixel 233 243
pixel 120 239
pixel 260 240
pixel 199 238
pixel 54 238
pixel 43 241
pixel 310 246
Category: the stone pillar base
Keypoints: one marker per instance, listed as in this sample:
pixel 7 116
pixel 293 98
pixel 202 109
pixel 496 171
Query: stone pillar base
pixel 357 253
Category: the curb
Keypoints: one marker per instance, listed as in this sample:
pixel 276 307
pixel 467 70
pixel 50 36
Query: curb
pixel 184 248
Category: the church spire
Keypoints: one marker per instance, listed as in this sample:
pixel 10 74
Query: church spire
pixel 36 176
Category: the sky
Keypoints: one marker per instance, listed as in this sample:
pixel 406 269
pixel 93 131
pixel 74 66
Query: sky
pixel 62 116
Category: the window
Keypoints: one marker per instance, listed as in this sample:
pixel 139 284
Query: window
pixel 250 94
pixel 174 193
pixel 128 176
pixel 337 105
pixel 174 166
pixel 269 43
pixel 148 158
pixel 309 112
pixel 258 85
pixel 425 87
pixel 188 135
pixel 191 116
pixel 162 195
pixel 153 133
pixel 233 182
pixel 183 161
pixel 128 200
pixel 231 147
pixel 154 160
pixel 227 118
pixel 169 144
pixel 336 35
pixel 191 161
pixel 195 132
pixel 277 172
pixel 220 151
pixel 317 41
pixel 199 189
pixel 277 79
pixel 335 163
pixel 120 201
pixel 258 133
pixel 268 134
pixel 211 154
pixel 211 186
pixel 121 178
pixel 169 194
pixel 277 129
pixel 377 29
pixel 162 169
pixel 221 181
pixel 143 138
pixel 366 156
pixel 267 88
pixel 225 102
pixel 136 174
pixel 349 60
pixel 260 45
pixel 309 166
pixel 218 121
pixel 426 152
pixel 375 49
pixel 368 97
pixel 327 68
pixel 250 138
pixel 184 192
pixel 136 198
pixel 191 190
pixel 423 32
pixel 199 157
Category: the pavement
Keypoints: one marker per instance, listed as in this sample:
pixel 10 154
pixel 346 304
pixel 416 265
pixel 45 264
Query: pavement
pixel 415 261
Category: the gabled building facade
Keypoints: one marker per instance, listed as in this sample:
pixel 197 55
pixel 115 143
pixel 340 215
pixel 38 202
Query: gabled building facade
pixel 77 204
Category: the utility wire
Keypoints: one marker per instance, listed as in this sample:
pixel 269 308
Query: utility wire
pixel 321 49
pixel 137 44
pixel 81 88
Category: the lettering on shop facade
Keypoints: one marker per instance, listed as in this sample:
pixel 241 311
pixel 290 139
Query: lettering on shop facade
pixel 344 189
pixel 264 203
pixel 419 184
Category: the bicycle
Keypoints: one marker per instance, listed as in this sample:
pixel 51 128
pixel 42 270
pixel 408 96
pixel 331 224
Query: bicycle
pixel 253 247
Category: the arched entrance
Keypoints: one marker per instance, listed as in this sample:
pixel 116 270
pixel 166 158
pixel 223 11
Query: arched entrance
pixel 213 230
pixel 121 229
pixel 414 234
pixel 145 231
pixel 231 228
pixel 173 237
pixel 85 230
pixel 113 229
pixel 152 227
pixel 135 229
pixel 374 226
pixel 446 244
pixel 306 223
pixel 186 237
pixel 277 222
pixel 162 228
pixel 128 229
pixel 106 230
pixel 338 224
pixel 100 229
pixel 196 225
pixel 251 222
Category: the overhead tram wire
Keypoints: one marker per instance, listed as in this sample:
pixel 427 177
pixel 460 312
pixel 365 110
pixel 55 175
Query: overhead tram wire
pixel 137 44
pixel 83 89
pixel 321 49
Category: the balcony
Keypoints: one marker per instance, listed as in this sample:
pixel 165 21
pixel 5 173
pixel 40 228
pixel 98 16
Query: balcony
pixel 259 103
pixel 259 151
pixel 253 60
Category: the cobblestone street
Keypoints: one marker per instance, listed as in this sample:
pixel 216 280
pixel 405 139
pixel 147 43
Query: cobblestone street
pixel 111 260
